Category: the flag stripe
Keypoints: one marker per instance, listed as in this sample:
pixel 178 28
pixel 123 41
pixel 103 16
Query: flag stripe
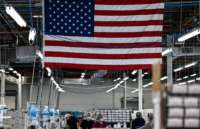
pixel 101 61
pixel 129 18
pixel 128 23
pixel 129 7
pixel 102 40
pixel 129 12
pixel 102 45
pixel 95 67
pixel 125 2
pixel 128 29
pixel 128 34
pixel 102 50
pixel 102 56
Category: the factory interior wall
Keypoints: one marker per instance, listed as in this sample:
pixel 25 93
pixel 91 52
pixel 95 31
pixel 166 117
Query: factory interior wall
pixel 69 101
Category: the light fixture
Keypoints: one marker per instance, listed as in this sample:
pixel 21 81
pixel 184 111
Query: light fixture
pixel 117 79
pixel 167 51
pixel 15 15
pixel 189 35
pixel 186 77
pixel 198 78
pixel 122 81
pixel 163 78
pixel 149 84
pixel 181 83
pixel 179 79
pixel 134 72
pixel 61 90
pixel 178 69
pixel 37 16
pixel 190 81
pixel 2 70
pixel 39 54
pixel 126 78
pixel 113 88
pixel 134 80
pixel 49 71
pixel 193 75
pixel 134 91
pixel 82 75
pixel 15 72
pixel 10 69
pixel 146 73
pixel 32 35
pixel 190 65
pixel 110 90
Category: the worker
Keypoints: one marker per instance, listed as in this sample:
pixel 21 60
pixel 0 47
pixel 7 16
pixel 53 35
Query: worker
pixel 138 122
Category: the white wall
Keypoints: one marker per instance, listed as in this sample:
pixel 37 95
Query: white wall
pixel 70 101
pixel 84 101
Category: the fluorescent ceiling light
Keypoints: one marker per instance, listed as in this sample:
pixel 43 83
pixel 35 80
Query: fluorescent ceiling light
pixel 39 54
pixel 11 69
pixel 134 72
pixel 167 51
pixel 49 71
pixel 110 90
pixel 179 79
pixel 189 35
pixel 15 15
pixel 193 75
pixel 61 90
pixel 178 69
pixel 146 73
pixel 186 77
pixel 117 79
pixel 190 65
pixel 198 78
pixel 182 83
pixel 126 78
pixel 32 35
pixel 15 72
pixel 113 88
pixel 37 16
pixel 134 91
pixel 163 78
pixel 134 80
pixel 2 70
pixel 121 82
pixel 149 84
pixel 190 81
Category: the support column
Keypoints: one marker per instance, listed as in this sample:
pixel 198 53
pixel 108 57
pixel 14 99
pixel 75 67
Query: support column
pixel 3 88
pixel 57 100
pixel 19 92
pixel 169 70
pixel 140 88
pixel 113 99
pixel 125 94
pixel 157 95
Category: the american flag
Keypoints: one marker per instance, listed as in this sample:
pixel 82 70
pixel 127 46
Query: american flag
pixel 103 34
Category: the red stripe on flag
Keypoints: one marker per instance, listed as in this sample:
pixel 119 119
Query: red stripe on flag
pixel 126 2
pixel 127 34
pixel 102 45
pixel 128 23
pixel 98 67
pixel 129 12
pixel 103 56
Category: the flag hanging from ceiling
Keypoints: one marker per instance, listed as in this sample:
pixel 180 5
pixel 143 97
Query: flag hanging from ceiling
pixel 103 34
